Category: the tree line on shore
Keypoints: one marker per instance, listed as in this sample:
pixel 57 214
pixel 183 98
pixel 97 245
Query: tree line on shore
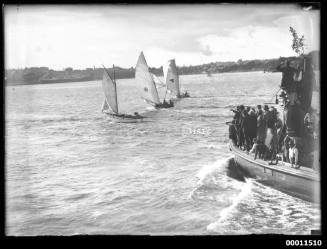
pixel 36 75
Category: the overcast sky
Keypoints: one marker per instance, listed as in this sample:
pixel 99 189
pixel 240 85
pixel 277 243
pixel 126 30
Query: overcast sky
pixel 60 36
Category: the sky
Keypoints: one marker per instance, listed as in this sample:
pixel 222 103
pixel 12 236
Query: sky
pixel 80 36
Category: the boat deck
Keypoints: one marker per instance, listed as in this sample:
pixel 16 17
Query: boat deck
pixel 283 167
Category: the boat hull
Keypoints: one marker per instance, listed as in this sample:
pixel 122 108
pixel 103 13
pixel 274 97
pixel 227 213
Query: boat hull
pixel 124 119
pixel 303 183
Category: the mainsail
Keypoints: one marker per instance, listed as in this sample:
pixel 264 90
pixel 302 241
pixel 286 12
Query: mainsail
pixel 105 105
pixel 110 92
pixel 145 80
pixel 171 77
pixel 157 81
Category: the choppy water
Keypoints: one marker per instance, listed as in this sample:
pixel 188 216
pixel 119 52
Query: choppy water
pixel 71 170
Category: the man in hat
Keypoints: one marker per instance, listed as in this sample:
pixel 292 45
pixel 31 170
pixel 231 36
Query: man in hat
pixel 265 108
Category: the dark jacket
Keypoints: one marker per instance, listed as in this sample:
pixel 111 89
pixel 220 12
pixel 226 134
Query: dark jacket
pixel 287 77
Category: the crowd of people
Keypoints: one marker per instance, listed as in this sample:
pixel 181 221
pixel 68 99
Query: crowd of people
pixel 295 139
pixel 261 131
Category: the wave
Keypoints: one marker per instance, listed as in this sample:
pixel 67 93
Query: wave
pixel 203 97
pixel 218 166
pixel 47 119
pixel 212 146
pixel 212 178
pixel 228 106
pixel 202 107
pixel 228 211
pixel 119 199
pixel 214 116
pixel 78 197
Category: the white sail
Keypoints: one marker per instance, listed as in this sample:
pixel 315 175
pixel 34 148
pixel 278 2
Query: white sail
pixel 171 77
pixel 105 106
pixel 145 81
pixel 157 81
pixel 110 91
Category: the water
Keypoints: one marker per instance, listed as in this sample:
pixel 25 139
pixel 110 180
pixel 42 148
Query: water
pixel 71 170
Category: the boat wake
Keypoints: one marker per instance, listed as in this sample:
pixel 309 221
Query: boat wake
pixel 213 182
pixel 228 211
pixel 226 193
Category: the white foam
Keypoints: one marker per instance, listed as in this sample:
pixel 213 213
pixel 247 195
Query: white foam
pixel 212 146
pixel 207 170
pixel 205 174
pixel 226 212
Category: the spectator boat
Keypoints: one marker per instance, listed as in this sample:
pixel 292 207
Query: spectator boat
pixel 303 183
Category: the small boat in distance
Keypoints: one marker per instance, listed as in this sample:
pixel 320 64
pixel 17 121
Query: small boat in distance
pixel 146 83
pixel 110 91
pixel 172 79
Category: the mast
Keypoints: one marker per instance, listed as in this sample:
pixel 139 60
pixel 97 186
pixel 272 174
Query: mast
pixel 113 67
pixel 179 82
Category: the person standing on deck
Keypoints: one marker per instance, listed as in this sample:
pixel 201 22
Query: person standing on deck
pixel 288 72
pixel 233 132
pixel 252 125
pixel 258 109
pixel 261 127
pixel 240 134
pixel 271 140
pixel 307 84
pixel 293 155
pixel 246 123
pixel 266 116
pixel 236 117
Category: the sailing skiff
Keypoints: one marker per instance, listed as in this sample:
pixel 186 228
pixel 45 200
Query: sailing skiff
pixel 109 87
pixel 145 80
pixel 171 79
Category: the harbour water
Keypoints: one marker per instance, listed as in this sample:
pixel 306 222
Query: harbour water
pixel 71 170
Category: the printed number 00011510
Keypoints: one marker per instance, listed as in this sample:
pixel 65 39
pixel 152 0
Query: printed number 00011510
pixel 310 242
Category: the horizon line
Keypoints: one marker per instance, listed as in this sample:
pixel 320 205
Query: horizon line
pixel 93 66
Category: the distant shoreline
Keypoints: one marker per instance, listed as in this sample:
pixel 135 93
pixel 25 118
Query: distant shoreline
pixel 45 75
pixel 47 83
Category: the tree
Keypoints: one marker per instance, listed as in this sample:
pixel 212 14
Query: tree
pixel 297 43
